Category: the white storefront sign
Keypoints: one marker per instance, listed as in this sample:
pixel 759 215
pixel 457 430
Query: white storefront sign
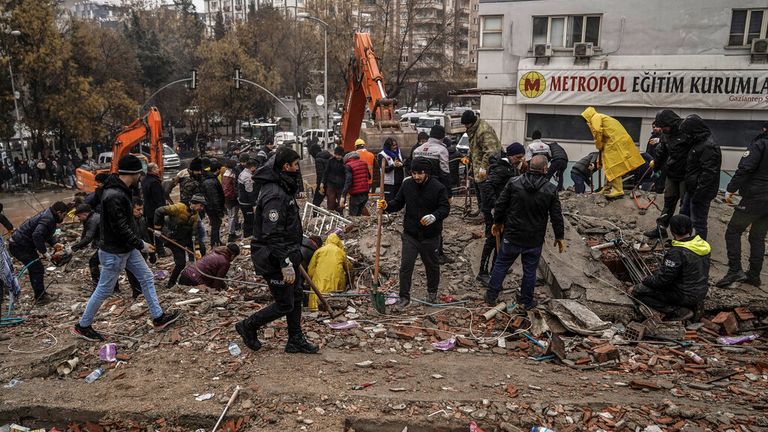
pixel 715 89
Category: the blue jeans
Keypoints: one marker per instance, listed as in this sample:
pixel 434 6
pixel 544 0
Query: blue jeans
pixel 111 267
pixel 579 182
pixel 504 260
pixel 698 212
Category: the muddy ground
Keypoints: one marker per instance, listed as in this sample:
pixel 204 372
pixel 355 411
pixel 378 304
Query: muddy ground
pixel 386 375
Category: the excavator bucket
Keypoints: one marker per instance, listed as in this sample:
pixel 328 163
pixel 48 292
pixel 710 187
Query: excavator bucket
pixel 374 139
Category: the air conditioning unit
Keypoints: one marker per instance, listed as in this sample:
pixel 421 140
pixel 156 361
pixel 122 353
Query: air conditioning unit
pixel 542 50
pixel 759 46
pixel 585 49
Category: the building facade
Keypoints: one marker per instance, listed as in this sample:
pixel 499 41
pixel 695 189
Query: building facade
pixel 233 11
pixel 541 62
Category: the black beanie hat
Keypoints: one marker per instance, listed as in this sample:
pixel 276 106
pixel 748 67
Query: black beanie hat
pixel 437 131
pixel 339 150
pixel 234 249
pixel 680 225
pixel 82 208
pixel 421 164
pixel 101 177
pixel 468 118
pixel 196 164
pixel 129 164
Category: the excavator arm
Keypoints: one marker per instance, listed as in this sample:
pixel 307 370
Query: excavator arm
pixel 365 88
pixel 146 128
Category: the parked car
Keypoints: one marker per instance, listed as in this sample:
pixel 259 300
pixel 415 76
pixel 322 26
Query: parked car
pixel 170 158
pixel 306 137
pixel 285 138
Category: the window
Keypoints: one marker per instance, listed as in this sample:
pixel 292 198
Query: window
pixel 734 133
pixel 747 25
pixel 565 31
pixel 490 31
pixel 573 127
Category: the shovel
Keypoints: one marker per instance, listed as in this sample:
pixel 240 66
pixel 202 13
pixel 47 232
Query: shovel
pixel 377 298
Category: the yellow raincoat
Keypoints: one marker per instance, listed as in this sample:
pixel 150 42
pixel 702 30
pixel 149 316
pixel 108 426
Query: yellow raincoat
pixel 618 153
pixel 327 268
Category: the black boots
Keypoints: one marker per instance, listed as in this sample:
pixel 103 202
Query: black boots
pixel 483 276
pixel 250 340
pixel 731 277
pixel 298 344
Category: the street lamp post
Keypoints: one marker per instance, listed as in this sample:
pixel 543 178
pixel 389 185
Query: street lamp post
pixel 305 15
pixel 16 33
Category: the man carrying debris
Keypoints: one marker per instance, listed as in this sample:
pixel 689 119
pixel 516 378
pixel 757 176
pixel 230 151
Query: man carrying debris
pixel 276 252
pixel 618 153
pixel 426 206
pixel 702 173
pixel 28 245
pixel 582 171
pixel 120 249
pixel 671 158
pixel 751 181
pixel 503 167
pixel 681 283
pixel 521 214
pixel 211 270
pixel 356 184
pixel 182 225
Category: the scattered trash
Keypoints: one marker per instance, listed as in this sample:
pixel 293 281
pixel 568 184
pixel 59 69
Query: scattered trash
pixel 67 366
pixel 93 376
pixel 363 385
pixel 12 383
pixel 391 299
pixel 577 318
pixel 695 357
pixel 193 291
pixel 736 340
pixel 203 397
pixel 364 364
pixel 445 345
pixel 473 427
pixel 108 352
pixel 446 298
pixel 398 389
pixel 344 325
pixel 234 349
pixel 541 429
pixel 161 275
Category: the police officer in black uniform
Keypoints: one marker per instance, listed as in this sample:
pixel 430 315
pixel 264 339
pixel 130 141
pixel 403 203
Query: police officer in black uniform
pixel 751 181
pixel 276 251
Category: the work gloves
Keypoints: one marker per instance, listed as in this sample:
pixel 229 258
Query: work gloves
pixel 198 255
pixel 428 220
pixel 322 189
pixel 48 256
pixel 289 274
pixel 342 203
pixel 68 250
pixel 481 174
pixel 560 243
pixel 652 164
pixel 147 247
pixel 465 160
pixel 381 204
pixel 729 197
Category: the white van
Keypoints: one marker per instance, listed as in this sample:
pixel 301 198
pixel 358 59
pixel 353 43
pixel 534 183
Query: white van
pixel 308 135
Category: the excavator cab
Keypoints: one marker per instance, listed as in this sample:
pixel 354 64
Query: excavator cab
pixel 148 128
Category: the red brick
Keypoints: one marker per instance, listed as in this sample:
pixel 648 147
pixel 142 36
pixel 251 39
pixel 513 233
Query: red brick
pixel 727 320
pixel 465 342
pixel 604 353
pixel 407 332
pixel 744 314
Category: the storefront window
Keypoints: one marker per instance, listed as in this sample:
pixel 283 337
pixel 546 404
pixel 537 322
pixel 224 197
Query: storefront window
pixel 573 127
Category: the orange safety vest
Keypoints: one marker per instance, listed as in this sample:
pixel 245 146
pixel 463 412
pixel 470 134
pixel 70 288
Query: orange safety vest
pixel 368 158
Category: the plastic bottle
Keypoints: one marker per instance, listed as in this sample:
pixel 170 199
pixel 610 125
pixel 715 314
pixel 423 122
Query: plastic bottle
pixel 695 357
pixel 234 349
pixel 93 376
pixel 541 429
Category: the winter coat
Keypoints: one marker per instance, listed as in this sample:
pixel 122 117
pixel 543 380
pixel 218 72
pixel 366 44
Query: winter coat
pixel 524 206
pixel 437 153
pixel 182 222
pixel 392 175
pixel 557 151
pixel 369 159
pixel 6 223
pixel 454 160
pixel 419 200
pixel 90 235
pixel 246 191
pixel 582 166
pixel 483 142
pixel 321 163
pixel 751 178
pixel 214 194
pixel 619 155
pixel 334 174
pixel 229 186
pixel 537 147
pixel 702 174
pixel 672 152
pixel 36 231
pixel 119 232
pixel 189 186
pixel 499 173
pixel 154 195
pixel 277 229
pixel 685 271
pixel 356 178
pixel 328 268
pixel 215 263
pixel 656 140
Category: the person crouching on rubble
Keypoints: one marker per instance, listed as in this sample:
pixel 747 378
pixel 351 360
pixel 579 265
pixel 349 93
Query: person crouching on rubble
pixel 426 204
pixel 681 283
pixel 520 215
pixel 211 269
pixel 276 252
pixel 329 268
pixel 182 220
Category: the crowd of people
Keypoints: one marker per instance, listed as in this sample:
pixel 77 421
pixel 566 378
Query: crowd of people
pixel 130 220
pixel 20 173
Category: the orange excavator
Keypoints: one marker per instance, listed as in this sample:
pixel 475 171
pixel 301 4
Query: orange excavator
pixel 365 88
pixel 148 128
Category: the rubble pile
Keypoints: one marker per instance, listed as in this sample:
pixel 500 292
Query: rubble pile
pixel 568 365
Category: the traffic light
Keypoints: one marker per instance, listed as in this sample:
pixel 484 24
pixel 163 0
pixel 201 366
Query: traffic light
pixel 193 83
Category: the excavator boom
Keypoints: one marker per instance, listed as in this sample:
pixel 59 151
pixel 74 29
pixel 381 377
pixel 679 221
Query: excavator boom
pixel 147 128
pixel 365 89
